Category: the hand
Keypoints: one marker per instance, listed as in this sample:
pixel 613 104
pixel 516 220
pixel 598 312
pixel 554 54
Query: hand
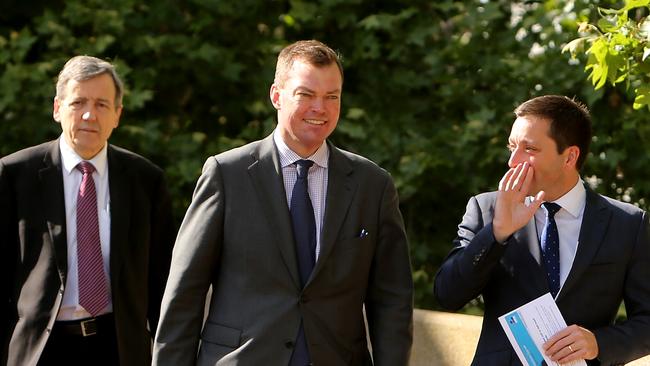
pixel 511 212
pixel 570 344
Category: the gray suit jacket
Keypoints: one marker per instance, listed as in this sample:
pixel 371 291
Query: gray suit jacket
pixel 34 250
pixel 237 238
pixel 612 264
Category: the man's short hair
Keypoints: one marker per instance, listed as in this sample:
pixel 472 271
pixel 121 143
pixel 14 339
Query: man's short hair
pixel 313 52
pixel 80 68
pixel 570 122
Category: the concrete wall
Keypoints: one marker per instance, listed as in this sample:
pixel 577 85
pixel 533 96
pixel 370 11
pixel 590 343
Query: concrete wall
pixel 448 339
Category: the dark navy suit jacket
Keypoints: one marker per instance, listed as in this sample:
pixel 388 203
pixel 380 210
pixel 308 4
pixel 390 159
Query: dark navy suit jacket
pixel 612 264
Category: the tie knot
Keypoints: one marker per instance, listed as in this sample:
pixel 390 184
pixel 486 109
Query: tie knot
pixel 551 208
pixel 85 167
pixel 303 167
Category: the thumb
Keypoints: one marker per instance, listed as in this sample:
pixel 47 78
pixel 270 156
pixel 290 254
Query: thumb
pixel 537 201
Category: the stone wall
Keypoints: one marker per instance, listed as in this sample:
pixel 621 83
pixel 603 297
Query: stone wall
pixel 448 339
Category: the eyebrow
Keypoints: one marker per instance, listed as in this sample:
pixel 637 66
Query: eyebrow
pixel 524 141
pixel 85 99
pixel 304 88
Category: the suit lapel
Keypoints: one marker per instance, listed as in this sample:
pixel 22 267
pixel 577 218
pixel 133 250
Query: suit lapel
pixel 120 210
pixel 592 232
pixel 53 198
pixel 522 264
pixel 266 175
pixel 340 191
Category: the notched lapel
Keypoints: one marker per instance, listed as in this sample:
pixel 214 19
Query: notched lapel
pixel 266 175
pixel 52 196
pixel 592 232
pixel 522 265
pixel 120 210
pixel 341 187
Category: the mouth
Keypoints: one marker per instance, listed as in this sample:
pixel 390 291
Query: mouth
pixel 316 122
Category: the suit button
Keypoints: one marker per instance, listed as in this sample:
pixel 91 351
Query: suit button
pixel 288 344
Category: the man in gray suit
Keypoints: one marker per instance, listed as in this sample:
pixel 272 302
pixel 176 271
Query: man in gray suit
pixel 296 237
pixel 544 231
pixel 85 234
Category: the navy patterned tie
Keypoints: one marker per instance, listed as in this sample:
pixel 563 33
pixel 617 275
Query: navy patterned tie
pixel 551 248
pixel 304 233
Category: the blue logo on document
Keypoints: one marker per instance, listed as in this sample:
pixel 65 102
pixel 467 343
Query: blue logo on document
pixel 524 341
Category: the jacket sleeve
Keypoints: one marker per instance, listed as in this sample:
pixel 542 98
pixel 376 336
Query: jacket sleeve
pixel 629 340
pixel 8 239
pixel 162 241
pixel 467 269
pixel 194 257
pixel 389 302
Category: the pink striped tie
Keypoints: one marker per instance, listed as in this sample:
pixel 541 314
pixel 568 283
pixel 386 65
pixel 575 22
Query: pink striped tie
pixel 93 288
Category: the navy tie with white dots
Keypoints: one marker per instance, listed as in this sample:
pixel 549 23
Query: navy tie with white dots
pixel 551 247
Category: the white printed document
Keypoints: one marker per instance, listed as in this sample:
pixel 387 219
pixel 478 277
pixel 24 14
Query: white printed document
pixel 530 326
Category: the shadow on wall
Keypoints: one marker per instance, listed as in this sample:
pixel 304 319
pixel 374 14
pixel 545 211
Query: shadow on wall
pixel 449 339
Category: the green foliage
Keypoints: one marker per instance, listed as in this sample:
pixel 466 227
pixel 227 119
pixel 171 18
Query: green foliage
pixel 429 90
pixel 619 49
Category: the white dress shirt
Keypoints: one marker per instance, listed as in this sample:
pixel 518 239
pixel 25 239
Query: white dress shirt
pixel 316 179
pixel 70 308
pixel 569 221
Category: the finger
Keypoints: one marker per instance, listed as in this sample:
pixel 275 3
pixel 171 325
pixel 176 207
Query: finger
pixel 528 178
pixel 519 179
pixel 505 179
pixel 536 201
pixel 558 341
pixel 510 181
pixel 556 337
pixel 571 353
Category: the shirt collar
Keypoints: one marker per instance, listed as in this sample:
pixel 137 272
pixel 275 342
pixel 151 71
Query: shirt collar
pixel 71 159
pixel 288 156
pixel 574 200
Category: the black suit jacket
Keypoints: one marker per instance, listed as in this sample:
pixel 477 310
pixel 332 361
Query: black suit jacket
pixel 612 263
pixel 237 238
pixel 34 247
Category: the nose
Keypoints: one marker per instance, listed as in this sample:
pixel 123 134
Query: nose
pixel 516 157
pixel 317 105
pixel 89 114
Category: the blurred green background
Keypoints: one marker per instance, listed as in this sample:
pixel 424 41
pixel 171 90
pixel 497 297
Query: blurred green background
pixel 429 89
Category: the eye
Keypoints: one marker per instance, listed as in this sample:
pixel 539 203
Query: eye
pixel 531 149
pixel 76 104
pixel 333 97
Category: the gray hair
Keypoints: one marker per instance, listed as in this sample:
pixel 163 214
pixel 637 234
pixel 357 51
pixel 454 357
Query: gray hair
pixel 80 68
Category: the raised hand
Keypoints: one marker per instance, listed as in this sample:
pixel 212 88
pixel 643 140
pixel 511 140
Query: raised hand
pixel 511 212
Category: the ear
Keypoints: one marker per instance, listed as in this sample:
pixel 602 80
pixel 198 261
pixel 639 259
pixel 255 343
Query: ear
pixel 274 94
pixel 572 155
pixel 119 114
pixel 55 110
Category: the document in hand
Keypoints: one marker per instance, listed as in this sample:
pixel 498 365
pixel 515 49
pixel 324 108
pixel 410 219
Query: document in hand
pixel 529 326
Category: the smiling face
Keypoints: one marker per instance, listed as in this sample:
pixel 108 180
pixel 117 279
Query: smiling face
pixel 308 104
pixel 554 173
pixel 87 114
